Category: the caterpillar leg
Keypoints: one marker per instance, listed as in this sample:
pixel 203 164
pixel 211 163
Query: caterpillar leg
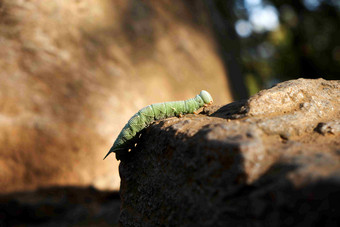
pixel 208 104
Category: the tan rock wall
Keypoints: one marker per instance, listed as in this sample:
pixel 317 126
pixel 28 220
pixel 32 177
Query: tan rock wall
pixel 73 72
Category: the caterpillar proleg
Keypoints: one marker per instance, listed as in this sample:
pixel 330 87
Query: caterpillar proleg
pixel 154 112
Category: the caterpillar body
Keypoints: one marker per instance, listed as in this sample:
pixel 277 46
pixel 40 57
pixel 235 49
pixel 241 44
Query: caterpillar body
pixel 154 112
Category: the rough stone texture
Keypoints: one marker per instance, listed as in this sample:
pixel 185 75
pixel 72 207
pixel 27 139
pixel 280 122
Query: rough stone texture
pixel 72 73
pixel 272 160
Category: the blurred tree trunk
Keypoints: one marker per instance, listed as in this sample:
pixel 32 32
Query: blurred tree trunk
pixel 221 14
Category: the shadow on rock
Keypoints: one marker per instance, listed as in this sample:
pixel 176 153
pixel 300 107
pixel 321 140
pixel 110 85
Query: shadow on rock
pixel 64 206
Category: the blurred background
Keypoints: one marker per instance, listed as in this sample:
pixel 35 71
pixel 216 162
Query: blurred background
pixel 73 72
pixel 282 40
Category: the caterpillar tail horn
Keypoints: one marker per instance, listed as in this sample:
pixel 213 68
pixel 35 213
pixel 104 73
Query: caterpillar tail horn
pixel 107 154
pixel 111 151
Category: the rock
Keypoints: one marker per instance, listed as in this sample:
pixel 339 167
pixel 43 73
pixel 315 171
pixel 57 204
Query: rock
pixel 329 127
pixel 271 160
pixel 74 72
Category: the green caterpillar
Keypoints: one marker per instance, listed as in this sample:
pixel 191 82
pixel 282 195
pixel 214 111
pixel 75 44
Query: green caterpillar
pixel 154 112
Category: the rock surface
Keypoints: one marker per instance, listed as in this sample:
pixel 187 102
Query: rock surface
pixel 272 160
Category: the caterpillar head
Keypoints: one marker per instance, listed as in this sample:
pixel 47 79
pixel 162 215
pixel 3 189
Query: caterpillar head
pixel 207 99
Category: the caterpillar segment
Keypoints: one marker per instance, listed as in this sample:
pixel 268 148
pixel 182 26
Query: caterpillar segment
pixel 149 114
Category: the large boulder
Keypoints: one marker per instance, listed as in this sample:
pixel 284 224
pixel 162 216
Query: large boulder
pixel 271 160
pixel 73 72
